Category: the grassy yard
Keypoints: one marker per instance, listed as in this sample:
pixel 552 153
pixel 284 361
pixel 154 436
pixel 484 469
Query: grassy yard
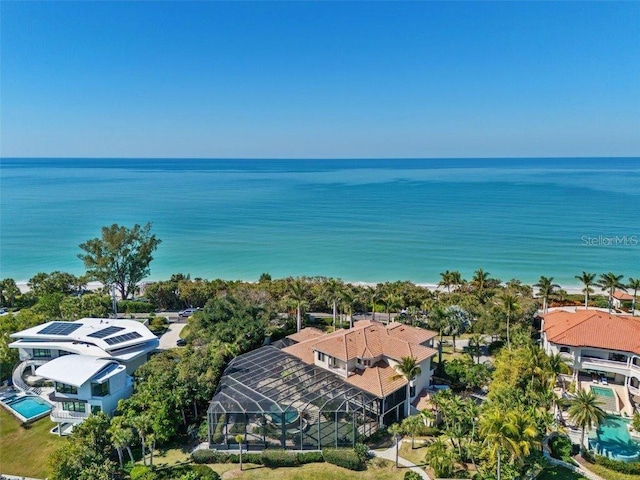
pixel 378 470
pixel 609 474
pixel 24 451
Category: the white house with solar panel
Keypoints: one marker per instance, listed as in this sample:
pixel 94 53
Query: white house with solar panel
pixel 89 361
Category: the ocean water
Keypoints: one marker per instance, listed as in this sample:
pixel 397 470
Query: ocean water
pixel 359 220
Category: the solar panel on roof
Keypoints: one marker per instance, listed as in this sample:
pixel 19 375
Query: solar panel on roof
pixel 59 328
pixel 122 338
pixel 105 332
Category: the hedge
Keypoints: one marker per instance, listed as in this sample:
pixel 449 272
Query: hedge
pixel 279 458
pixel 618 466
pixel 342 457
pixel 133 306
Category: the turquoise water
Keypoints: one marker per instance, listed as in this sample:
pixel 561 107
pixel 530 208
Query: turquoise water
pixel 603 391
pixel 360 220
pixel 289 417
pixel 29 407
pixel 613 440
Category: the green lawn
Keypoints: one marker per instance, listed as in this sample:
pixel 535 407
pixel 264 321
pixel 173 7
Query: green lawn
pixel 378 470
pixel 610 474
pixel 24 451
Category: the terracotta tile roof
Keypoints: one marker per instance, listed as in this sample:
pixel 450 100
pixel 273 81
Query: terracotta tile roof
pixel 377 379
pixel 366 339
pixel 306 334
pixel 591 328
pixel 409 333
pixel 619 295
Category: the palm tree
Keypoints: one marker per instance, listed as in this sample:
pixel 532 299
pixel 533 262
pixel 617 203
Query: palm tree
pixel 558 366
pixel 396 430
pixel 121 437
pixel 588 280
pixel 499 432
pixel 508 303
pixel 348 300
pixel 409 369
pixel 479 281
pixel 440 458
pixel 392 301
pixel 456 279
pixel 374 294
pixel 475 346
pixel 438 320
pixel 412 425
pixel 610 282
pixel 634 284
pixel 546 289
pixel 447 280
pixel 332 290
pixel 584 411
pixel 298 294
pixel 240 438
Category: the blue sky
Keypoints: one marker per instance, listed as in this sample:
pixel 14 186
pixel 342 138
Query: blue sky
pixel 320 79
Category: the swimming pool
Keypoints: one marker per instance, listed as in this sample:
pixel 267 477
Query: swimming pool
pixel 603 391
pixel 612 440
pixel 287 417
pixel 28 407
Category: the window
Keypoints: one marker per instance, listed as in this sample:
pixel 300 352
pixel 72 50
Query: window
pixel 41 353
pixel 564 349
pixel 100 389
pixel 74 407
pixel 95 409
pixel 64 388
pixel 367 363
pixel 321 356
pixel 62 353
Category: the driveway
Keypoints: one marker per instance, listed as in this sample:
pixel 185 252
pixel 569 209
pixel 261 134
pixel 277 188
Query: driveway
pixel 171 336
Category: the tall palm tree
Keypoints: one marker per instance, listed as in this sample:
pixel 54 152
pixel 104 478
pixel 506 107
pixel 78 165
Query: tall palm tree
pixel 409 369
pixel 396 430
pixel 456 279
pixel 588 280
pixel 298 294
pixel 392 301
pixel 348 300
pixel 332 291
pixel 374 294
pixel 634 284
pixel 439 320
pixel 546 289
pixel 609 282
pixel 121 437
pixel 479 281
pixel 509 304
pixel 447 280
pixel 440 458
pixel 475 346
pixel 500 432
pixel 584 411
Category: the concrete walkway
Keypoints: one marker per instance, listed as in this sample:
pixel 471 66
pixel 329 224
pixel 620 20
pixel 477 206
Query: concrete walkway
pixel 390 454
pixel 171 336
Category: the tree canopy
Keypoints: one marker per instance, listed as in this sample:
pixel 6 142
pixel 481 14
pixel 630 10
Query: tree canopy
pixel 121 256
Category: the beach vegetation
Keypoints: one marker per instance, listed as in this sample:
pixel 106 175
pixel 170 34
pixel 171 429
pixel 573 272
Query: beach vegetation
pixel 120 257
pixel 9 291
pixel 610 282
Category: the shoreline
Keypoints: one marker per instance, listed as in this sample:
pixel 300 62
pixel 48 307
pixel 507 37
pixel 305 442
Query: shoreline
pixel 570 289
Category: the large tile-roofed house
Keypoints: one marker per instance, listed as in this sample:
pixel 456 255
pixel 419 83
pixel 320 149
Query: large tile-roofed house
pixel 367 354
pixel 89 361
pixel 601 348
pixel 317 389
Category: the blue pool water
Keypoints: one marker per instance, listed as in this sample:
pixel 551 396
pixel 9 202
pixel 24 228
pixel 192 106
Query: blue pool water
pixel 613 440
pixel 288 417
pixel 29 407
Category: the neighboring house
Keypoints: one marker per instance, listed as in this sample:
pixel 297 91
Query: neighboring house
pixel 620 297
pixel 313 390
pixel 366 356
pixel 603 350
pixel 89 360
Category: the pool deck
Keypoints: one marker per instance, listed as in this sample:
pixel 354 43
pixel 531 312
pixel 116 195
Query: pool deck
pixel 12 393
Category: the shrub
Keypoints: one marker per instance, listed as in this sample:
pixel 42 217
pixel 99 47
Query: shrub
pixel 279 458
pixel 617 466
pixel 561 448
pixel 218 435
pixel 141 472
pixel 411 476
pixel 362 451
pixel 310 457
pixel 133 306
pixel 210 456
pixel 204 472
pixel 342 457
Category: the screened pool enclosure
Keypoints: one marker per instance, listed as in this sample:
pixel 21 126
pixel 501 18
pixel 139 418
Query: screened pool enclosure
pixel 275 400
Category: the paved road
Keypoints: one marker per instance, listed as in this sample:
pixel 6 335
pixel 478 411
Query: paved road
pixel 171 336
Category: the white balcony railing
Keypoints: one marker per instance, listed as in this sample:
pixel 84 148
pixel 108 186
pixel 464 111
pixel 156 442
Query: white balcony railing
pixel 64 416
pixel 588 362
